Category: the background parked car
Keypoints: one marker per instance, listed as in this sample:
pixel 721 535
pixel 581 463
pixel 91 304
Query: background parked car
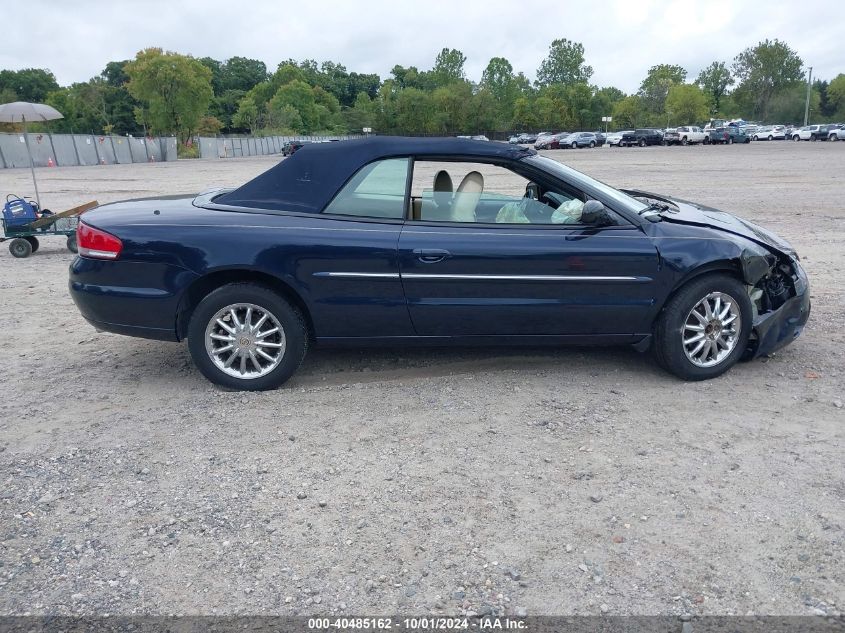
pixel 550 141
pixel 769 133
pixel 582 139
pixel 615 137
pixel 642 137
pixel 684 135
pixel 837 133
pixel 727 135
pixel 807 133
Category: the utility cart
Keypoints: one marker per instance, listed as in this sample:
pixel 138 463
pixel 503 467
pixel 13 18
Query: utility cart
pixel 23 223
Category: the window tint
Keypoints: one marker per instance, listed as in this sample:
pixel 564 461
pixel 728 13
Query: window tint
pixel 475 192
pixel 376 191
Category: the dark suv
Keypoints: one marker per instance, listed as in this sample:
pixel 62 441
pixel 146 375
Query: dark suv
pixel 642 137
pixel 728 135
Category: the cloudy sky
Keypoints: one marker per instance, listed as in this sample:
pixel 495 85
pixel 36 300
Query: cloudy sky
pixel 623 38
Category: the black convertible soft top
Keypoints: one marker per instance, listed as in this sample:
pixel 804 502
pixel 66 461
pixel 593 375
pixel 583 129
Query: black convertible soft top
pixel 308 180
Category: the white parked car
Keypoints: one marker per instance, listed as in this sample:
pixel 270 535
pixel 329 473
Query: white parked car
pixel 836 135
pixel 806 133
pixel 613 138
pixel 769 133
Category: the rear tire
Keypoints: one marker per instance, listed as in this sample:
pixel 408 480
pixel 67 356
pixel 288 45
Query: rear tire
pixel 287 348
pixel 592 144
pixel 642 142
pixel 771 138
pixel 71 243
pixel 675 339
pixel 796 138
pixel 34 241
pixel 20 247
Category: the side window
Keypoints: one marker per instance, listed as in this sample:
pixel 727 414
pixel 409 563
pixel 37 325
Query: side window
pixel 476 192
pixel 376 191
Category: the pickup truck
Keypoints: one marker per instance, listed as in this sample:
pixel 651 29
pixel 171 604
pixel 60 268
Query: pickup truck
pixel 684 135
pixel 727 135
pixel 641 137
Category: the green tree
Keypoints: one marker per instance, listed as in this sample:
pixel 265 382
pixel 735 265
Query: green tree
pixel 173 89
pixel 714 81
pixel 242 73
pixel 763 71
pixel 246 117
pixel 448 67
pixel 524 117
pixel 564 64
pixel 655 87
pixel 300 96
pixel 499 80
pixel 628 113
pixel 686 104
pixel 836 95
pixel 29 84
pixel 415 112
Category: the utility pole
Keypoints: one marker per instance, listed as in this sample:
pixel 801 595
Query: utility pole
pixel 809 87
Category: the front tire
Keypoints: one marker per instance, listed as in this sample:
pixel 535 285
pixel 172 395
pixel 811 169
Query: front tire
pixel 247 337
pixel 703 330
pixel 642 142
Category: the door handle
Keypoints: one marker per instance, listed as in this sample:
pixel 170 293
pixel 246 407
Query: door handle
pixel 431 255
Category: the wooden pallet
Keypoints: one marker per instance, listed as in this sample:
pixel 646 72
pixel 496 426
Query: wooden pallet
pixel 46 221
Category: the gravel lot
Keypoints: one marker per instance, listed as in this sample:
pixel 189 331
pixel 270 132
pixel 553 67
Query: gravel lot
pixel 403 481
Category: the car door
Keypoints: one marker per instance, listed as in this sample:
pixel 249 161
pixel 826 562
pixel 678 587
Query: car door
pixel 489 278
pixel 349 259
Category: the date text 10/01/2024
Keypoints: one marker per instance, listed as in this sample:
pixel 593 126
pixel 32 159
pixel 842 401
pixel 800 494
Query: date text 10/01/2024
pixel 416 624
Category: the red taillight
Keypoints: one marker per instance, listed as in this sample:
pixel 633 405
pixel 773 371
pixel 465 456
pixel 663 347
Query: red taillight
pixel 96 243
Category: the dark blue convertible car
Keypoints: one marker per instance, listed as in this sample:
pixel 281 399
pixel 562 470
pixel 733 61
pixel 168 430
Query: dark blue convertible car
pixel 433 241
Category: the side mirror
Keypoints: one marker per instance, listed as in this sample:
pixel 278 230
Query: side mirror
pixel 595 214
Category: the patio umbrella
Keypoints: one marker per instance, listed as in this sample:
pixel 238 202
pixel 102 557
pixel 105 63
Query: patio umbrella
pixel 23 112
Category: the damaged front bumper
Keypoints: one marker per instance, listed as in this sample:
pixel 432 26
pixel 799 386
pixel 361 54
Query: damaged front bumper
pixel 777 328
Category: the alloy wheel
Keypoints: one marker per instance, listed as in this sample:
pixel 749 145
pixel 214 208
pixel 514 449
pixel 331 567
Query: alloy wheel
pixel 711 329
pixel 245 340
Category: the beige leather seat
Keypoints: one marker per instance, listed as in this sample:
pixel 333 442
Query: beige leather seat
pixel 441 199
pixel 467 197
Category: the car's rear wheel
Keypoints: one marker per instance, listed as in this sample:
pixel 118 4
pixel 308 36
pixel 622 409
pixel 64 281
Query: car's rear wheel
pixel 71 243
pixel 247 337
pixel 642 142
pixel 771 138
pixel 592 143
pixel 796 138
pixel 813 137
pixel 703 330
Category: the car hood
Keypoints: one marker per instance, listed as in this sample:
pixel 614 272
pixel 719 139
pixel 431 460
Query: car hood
pixel 692 213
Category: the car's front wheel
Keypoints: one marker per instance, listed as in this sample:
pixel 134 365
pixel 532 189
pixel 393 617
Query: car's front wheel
pixel 247 337
pixel 703 330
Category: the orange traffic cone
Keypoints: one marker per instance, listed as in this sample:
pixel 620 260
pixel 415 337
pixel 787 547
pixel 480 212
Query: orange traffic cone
pixel 50 162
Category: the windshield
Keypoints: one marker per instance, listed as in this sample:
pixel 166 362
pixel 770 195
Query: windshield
pixel 589 185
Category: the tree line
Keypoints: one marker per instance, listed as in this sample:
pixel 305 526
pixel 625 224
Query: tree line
pixel 162 92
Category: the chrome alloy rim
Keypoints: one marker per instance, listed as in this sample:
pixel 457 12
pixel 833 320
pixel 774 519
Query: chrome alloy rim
pixel 245 341
pixel 711 330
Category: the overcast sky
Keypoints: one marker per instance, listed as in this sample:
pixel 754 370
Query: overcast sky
pixel 623 38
